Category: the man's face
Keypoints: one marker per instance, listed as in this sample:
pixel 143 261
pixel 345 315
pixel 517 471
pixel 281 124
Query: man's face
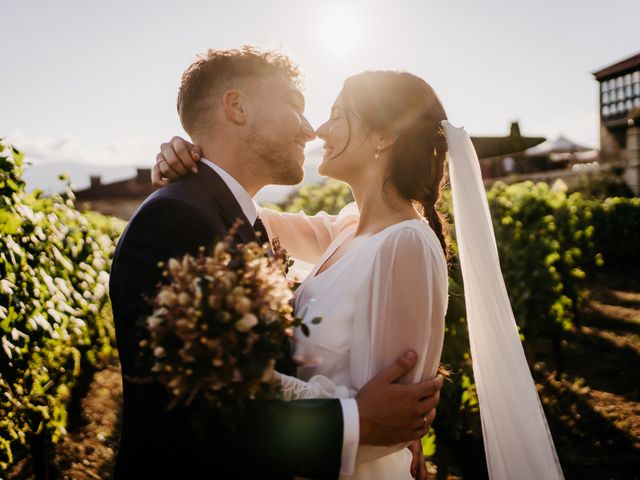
pixel 279 130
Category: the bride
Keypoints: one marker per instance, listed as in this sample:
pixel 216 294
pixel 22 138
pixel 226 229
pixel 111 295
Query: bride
pixel 380 276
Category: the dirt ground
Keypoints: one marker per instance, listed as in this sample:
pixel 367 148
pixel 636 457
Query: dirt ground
pixel 593 407
pixel 89 452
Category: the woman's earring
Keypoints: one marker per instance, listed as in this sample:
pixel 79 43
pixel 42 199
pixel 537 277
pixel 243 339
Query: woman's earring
pixel 377 155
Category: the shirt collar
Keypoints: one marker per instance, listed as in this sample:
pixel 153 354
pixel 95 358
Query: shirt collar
pixel 248 205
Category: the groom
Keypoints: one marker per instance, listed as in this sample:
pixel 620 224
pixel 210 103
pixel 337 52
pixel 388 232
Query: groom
pixel 244 109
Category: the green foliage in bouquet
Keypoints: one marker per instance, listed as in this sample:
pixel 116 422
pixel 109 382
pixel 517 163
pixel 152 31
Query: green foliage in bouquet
pixel 219 326
pixel 53 289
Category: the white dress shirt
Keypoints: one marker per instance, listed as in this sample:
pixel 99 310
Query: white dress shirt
pixel 350 414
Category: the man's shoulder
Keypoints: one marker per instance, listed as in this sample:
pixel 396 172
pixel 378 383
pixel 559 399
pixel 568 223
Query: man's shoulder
pixel 185 191
pixel 181 208
pixel 185 196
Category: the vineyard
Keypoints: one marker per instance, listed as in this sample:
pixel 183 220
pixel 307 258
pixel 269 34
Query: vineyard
pixel 54 317
pixel 568 260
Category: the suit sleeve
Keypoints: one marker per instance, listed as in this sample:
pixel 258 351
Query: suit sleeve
pixel 303 437
pixel 293 438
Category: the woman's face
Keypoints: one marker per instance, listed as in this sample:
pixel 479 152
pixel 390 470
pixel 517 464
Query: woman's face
pixel 346 147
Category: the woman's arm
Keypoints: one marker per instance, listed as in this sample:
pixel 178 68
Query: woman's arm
pixel 402 307
pixel 307 237
pixel 407 300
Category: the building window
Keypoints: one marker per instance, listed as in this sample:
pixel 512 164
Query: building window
pixel 627 105
pixel 605 111
pixel 636 76
pixel 604 87
pixel 636 102
pixel 627 79
pixel 636 88
pixel 612 84
pixel 619 82
pixel 613 110
pixel 627 90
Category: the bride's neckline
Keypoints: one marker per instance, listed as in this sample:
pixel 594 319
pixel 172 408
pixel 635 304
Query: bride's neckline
pixel 325 257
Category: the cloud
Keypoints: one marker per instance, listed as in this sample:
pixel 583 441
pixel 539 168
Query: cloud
pixel 140 151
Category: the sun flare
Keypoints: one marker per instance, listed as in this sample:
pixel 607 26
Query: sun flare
pixel 340 29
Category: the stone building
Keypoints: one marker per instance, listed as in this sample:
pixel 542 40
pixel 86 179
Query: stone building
pixel 120 199
pixel 620 116
pixel 500 156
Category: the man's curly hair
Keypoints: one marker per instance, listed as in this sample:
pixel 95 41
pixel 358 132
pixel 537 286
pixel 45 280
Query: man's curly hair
pixel 214 71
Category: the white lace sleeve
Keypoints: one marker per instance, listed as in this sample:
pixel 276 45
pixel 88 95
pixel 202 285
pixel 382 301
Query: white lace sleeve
pixel 318 386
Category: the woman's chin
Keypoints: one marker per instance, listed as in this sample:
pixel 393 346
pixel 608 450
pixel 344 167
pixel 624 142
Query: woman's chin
pixel 329 167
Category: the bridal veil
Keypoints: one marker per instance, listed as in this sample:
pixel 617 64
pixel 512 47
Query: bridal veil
pixel 517 440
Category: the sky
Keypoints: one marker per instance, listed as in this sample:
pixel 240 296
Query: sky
pixel 96 82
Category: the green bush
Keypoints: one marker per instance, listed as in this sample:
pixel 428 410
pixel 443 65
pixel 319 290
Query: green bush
pixel 603 184
pixel 329 197
pixel 54 265
pixel 616 223
pixel 544 242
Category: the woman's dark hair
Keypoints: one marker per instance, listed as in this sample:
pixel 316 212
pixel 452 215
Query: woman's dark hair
pixel 402 104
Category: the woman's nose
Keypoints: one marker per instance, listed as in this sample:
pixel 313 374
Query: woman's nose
pixel 321 132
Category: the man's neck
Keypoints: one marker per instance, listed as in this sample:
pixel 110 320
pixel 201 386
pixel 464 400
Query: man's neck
pixel 235 163
pixel 247 204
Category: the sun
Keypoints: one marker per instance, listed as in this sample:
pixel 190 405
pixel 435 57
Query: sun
pixel 340 29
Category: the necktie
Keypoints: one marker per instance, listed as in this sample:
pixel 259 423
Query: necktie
pixel 259 227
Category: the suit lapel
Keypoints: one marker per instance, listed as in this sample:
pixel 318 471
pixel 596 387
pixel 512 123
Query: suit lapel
pixel 226 202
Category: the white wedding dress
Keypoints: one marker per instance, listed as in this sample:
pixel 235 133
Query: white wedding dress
pixel 389 294
pixel 386 294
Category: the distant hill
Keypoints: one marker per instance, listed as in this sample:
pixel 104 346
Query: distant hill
pixel 45 176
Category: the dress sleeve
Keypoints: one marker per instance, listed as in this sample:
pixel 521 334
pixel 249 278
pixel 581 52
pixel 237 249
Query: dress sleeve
pixel 402 307
pixel 306 237
pixel 407 300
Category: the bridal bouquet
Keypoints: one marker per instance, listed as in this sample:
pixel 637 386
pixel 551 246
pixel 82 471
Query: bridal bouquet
pixel 219 324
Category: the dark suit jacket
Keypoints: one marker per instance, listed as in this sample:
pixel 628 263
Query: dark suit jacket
pixel 278 439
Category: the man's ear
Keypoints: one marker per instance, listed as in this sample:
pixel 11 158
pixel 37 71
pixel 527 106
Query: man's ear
pixel 235 105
